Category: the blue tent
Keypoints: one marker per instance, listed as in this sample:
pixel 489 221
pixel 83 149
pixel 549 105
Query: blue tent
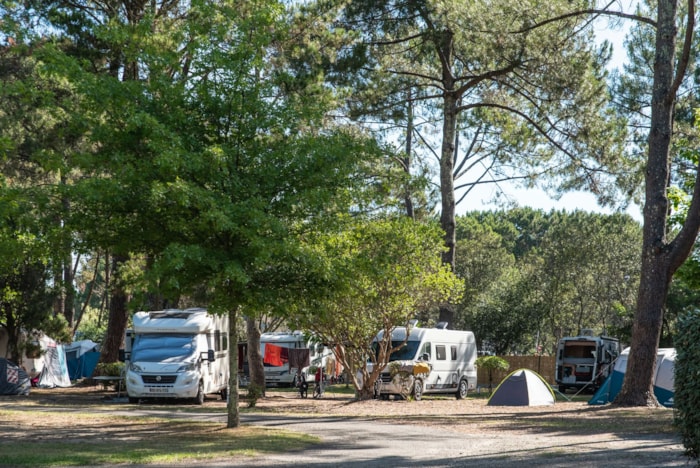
pixel 663 379
pixel 81 358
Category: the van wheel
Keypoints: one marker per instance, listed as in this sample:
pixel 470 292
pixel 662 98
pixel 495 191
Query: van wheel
pixel 462 390
pixel 417 389
pixel 199 399
pixel 133 400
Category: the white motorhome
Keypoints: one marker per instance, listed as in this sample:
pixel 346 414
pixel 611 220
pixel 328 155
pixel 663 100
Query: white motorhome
pixel 450 355
pixel 177 354
pixel 585 361
pixel 274 347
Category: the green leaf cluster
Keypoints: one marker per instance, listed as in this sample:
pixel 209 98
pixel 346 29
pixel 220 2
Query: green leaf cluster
pixel 687 382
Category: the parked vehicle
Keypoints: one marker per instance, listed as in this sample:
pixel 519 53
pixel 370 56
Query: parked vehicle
pixel 435 360
pixel 177 354
pixel 275 347
pixel 585 361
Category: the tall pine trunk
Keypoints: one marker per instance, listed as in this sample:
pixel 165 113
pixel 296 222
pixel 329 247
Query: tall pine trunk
pixel 118 314
pixel 660 257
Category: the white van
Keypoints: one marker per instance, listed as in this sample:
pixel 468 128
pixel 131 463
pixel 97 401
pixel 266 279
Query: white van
pixel 177 354
pixel 450 354
pixel 277 370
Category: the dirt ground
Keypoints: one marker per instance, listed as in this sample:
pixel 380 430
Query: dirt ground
pixel 566 426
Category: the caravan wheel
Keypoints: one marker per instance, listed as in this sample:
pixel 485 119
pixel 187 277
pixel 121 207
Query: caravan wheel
pixel 199 399
pixel 417 389
pixel 462 390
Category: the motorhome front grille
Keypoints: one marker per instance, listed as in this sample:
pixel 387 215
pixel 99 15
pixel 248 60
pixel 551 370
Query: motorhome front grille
pixel 159 379
pixel 386 378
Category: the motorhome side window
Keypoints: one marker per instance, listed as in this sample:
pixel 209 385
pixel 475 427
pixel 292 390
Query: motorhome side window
pixel 440 353
pixel 426 350
pixel 217 340
pixel 453 353
pixel 224 341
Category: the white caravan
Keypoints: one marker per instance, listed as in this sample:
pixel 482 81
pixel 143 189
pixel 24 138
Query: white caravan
pixel 177 354
pixel 277 371
pixel 585 361
pixel 450 355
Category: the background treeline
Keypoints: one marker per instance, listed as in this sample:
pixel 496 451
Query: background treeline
pixel 530 278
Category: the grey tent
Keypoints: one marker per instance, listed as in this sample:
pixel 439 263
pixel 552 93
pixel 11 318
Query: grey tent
pixel 522 387
pixel 13 379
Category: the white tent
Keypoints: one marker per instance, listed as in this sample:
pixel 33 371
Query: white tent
pixel 522 387
pixel 54 371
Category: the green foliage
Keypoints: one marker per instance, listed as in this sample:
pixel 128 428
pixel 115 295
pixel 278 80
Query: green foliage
pixel 373 275
pixel 492 363
pixel 687 384
pixel 113 369
pixel 92 326
pixel 533 277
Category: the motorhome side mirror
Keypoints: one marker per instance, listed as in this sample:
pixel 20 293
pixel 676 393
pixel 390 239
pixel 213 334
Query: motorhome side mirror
pixel 210 355
pixel 425 357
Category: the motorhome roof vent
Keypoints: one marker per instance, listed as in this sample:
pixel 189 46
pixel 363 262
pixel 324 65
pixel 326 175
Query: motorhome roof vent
pixel 586 332
pixel 413 323
pixel 441 326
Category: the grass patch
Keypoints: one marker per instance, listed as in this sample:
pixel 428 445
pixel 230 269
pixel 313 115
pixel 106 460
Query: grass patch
pixel 44 439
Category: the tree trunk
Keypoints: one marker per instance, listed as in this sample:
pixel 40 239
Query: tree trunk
pixel 656 273
pixel 256 366
pixel 118 315
pixel 408 197
pixel 233 415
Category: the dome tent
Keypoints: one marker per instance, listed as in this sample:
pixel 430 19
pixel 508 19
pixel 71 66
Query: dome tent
pixel 522 387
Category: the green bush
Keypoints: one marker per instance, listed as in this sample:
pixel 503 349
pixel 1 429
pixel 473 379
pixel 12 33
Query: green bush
pixel 108 369
pixel 687 382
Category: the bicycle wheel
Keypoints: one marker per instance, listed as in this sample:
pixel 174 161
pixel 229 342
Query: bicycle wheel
pixel 303 389
pixel 317 391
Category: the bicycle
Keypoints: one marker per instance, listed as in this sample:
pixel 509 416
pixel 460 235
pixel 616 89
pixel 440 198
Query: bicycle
pixel 301 384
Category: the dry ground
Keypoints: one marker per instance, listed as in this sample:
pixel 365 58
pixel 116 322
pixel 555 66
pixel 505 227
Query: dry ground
pixel 573 427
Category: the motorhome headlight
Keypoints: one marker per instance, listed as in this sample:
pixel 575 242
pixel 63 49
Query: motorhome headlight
pixel 135 367
pixel 190 366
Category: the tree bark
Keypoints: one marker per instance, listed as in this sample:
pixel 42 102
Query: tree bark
pixel 118 315
pixel 256 366
pixel 233 414
pixel 660 258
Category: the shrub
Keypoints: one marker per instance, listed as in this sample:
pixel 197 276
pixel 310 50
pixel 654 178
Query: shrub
pixel 491 364
pixel 109 368
pixel 687 383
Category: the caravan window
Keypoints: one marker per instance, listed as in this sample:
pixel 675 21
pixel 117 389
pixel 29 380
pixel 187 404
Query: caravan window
pixel 426 350
pixel 440 353
pixel 453 352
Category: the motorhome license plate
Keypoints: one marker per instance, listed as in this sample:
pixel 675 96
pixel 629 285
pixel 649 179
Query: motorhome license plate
pixel 158 390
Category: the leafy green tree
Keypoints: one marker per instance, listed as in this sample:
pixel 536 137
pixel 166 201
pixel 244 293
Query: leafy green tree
pixel 491 364
pixel 379 273
pixel 525 94
pixel 564 271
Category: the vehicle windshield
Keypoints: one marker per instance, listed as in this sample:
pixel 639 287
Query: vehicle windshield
pixel 406 353
pixel 158 347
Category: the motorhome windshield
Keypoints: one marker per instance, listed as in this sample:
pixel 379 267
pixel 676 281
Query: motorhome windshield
pixel 159 347
pixel 407 352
